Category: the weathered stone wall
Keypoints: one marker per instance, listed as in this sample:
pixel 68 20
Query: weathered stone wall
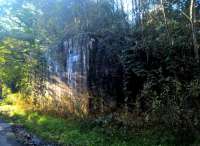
pixel 86 74
pixel 105 76
pixel 68 69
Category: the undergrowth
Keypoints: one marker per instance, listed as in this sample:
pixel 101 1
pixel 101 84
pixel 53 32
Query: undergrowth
pixel 80 132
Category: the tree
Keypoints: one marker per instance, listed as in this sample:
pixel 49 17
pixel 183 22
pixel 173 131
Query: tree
pixel 193 29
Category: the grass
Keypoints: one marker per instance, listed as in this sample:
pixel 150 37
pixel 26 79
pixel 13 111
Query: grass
pixel 76 132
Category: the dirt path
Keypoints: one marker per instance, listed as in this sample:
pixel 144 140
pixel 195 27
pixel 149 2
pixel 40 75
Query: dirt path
pixel 7 137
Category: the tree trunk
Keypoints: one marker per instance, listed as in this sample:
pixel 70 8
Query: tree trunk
pixel 1 90
pixel 122 5
pixel 166 24
pixel 193 29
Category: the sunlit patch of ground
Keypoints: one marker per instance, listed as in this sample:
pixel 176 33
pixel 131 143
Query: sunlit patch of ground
pixel 11 110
